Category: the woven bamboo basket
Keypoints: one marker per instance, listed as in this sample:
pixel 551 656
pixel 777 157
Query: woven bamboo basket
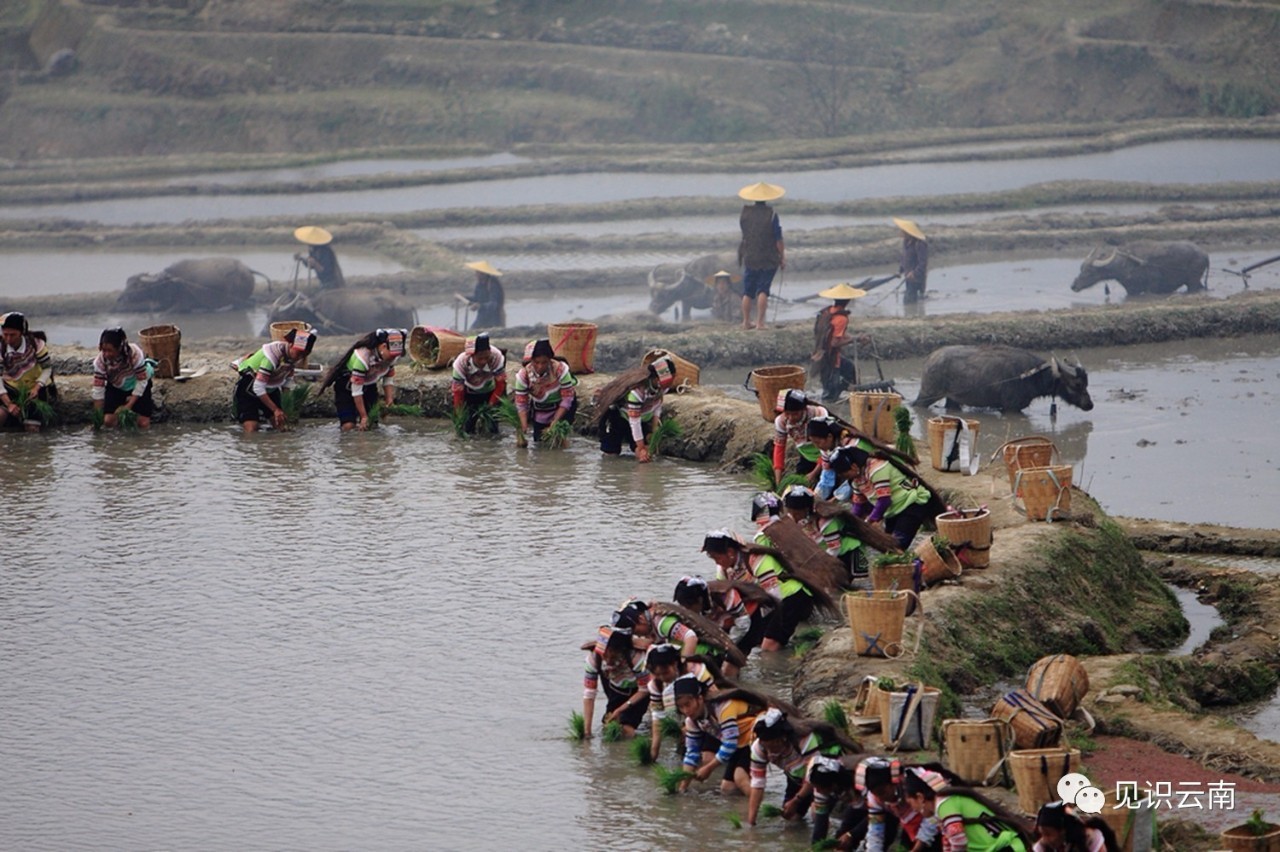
pixel 877 620
pixel 943 433
pixel 1034 725
pixel 872 413
pixel 767 381
pixel 1036 773
pixel 903 727
pixel 898 576
pixel 1028 451
pixel 280 329
pixel 575 342
pixel 969 531
pixel 687 372
pixel 1240 839
pixel 1045 492
pixel 866 700
pixel 976 750
pixel 936 566
pixel 435 347
pixel 162 344
pixel 1058 682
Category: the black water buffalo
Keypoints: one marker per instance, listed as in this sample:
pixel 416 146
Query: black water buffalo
pixel 1146 267
pixel 1002 377
pixel 345 311
pixel 692 287
pixel 189 286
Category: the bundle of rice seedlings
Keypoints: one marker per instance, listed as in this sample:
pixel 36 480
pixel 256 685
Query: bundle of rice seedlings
pixel 98 418
pixel 405 410
pixel 762 472
pixel 640 752
pixel 671 727
pixel 834 714
pixel 734 819
pixel 770 811
pixel 790 479
pixel 666 429
pixel 612 731
pixel 29 404
pixel 292 399
pixel 486 419
pixel 824 844
pixel 904 443
pixel 556 436
pixel 127 418
pixel 577 727
pixel 505 412
pixel 802 641
pixel 458 416
pixel 669 779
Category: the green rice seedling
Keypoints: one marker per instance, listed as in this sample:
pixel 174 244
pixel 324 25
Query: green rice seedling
pixel 577 727
pixel 666 429
pixel 404 410
pixel 669 779
pixel 791 479
pixel 127 418
pixel 98 418
pixel 30 404
pixel 762 472
pixel 885 560
pixel 824 844
pixel 486 419
pixel 834 714
pixel 506 412
pixel 770 811
pixel 458 416
pixel 671 728
pixel 612 731
pixel 734 819
pixel 375 414
pixel 292 399
pixel 641 755
pixel 904 443
pixel 556 436
pixel 804 640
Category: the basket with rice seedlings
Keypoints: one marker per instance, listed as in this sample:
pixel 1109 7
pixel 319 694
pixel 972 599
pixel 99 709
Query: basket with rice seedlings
pixel 612 731
pixel 556 436
pixel 666 429
pixel 671 779
pixel 577 727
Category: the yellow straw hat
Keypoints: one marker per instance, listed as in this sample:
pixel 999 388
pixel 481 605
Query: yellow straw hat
pixel 711 279
pixel 909 227
pixel 761 192
pixel 313 235
pixel 842 291
pixel 483 266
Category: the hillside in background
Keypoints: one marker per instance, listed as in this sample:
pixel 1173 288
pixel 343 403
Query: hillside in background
pixel 199 76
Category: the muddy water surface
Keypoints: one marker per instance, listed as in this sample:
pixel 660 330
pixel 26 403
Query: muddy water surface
pixel 1191 161
pixel 318 641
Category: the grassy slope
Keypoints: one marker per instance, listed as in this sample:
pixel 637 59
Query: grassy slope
pixel 236 75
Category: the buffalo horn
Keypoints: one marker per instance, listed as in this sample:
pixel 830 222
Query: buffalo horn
pixel 1105 260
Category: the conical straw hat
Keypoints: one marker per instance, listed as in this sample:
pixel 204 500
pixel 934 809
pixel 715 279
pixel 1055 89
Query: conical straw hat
pixel 483 266
pixel 711 279
pixel 842 291
pixel 761 192
pixel 313 235
pixel 909 227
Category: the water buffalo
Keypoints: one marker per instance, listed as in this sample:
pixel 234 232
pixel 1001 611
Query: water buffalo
pixel 345 311
pixel 189 286
pixel 1002 377
pixel 690 286
pixel 1146 267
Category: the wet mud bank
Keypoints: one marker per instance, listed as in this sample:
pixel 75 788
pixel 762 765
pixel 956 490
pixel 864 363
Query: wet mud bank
pixel 1169 537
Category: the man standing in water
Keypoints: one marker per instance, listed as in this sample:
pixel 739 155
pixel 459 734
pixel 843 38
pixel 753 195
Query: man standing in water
pixel 914 266
pixel 830 334
pixel 761 252
pixel 319 257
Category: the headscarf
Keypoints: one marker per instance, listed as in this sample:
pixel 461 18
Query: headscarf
pixel 394 338
pixel 798 497
pixel 764 503
pixel 664 371
pixel 792 399
pixel 877 771
pixel 665 654
pixel 688 684
pixel 15 320
pixel 770 725
pixel 846 457
pixel 718 541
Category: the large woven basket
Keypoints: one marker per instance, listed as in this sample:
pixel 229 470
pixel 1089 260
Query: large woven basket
pixel 687 372
pixel 1027 451
pixel 1058 682
pixel 944 434
pixel 435 347
pixel 1133 821
pixel 935 566
pixel 897 576
pixel 906 721
pixel 767 381
pixel 1036 773
pixel 877 620
pixel 575 342
pixel 282 328
pixel 976 750
pixel 162 344
pixel 872 413
pixel 1241 839
pixel 969 531
pixel 1034 725
pixel 1045 492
